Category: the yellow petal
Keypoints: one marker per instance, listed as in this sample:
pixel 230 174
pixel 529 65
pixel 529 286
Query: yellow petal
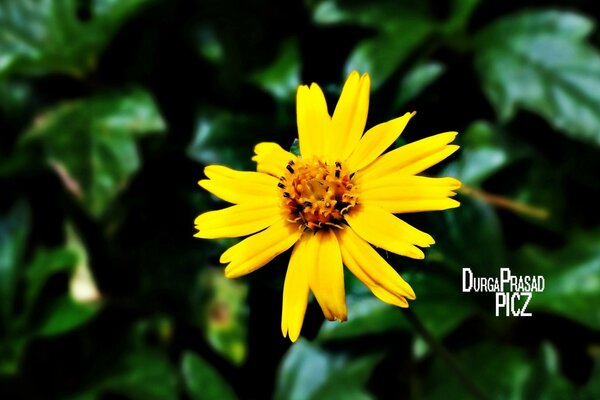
pixel 326 274
pixel 422 164
pixel 271 158
pixel 239 220
pixel 408 184
pixel 350 116
pixel 368 266
pixel 407 193
pixel 415 156
pixel 376 140
pixel 239 186
pixel 384 230
pixel 257 250
pixel 395 205
pixel 313 120
pixel 295 292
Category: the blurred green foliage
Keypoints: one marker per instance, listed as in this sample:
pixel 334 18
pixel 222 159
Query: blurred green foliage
pixel 109 109
pixel 47 36
pixel 98 164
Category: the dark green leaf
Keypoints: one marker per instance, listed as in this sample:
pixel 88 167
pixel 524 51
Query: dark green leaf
pixel 401 28
pixel 349 378
pixel 472 237
pixel 14 96
pixel 209 46
pixel 386 16
pixel 202 381
pixel 48 36
pixel 592 390
pixel 64 315
pixel 142 375
pixel 308 372
pixel 225 315
pixel 14 229
pixel 45 264
pixel 500 372
pixel 461 13
pixel 483 153
pixel 416 80
pixel 215 134
pixel 435 295
pixel 11 352
pixel 366 315
pixel 295 147
pixel 546 382
pixel 539 61
pixel 572 278
pixel 543 190
pixel 91 144
pixel 382 55
pixel 304 370
pixel 282 77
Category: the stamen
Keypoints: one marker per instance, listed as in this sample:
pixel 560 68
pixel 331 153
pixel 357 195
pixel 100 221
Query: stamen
pixel 316 195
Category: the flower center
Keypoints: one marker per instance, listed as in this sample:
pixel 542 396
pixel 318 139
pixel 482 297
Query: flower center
pixel 317 195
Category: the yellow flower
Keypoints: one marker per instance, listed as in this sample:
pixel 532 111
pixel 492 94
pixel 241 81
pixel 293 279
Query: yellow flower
pixel 330 203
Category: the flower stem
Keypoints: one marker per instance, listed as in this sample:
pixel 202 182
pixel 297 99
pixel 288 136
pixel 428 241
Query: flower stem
pixel 499 201
pixel 448 358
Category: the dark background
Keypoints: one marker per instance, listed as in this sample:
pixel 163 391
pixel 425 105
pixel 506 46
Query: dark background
pixel 110 109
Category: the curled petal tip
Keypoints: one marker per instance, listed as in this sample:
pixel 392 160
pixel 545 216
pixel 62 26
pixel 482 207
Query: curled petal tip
pixel 229 273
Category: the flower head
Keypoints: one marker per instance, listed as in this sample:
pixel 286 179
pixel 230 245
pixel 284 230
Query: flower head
pixel 331 203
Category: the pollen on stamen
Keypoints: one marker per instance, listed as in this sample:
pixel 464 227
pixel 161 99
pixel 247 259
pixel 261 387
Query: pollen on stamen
pixel 316 195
